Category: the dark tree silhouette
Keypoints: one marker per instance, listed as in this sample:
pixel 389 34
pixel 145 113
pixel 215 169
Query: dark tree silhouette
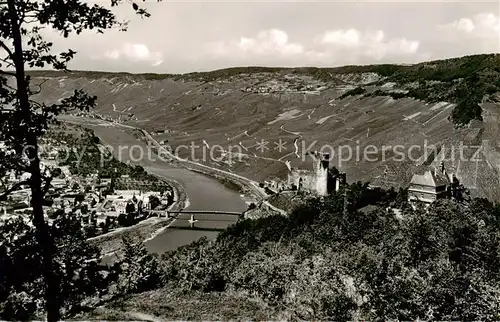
pixel 154 201
pixel 22 119
pixel 129 208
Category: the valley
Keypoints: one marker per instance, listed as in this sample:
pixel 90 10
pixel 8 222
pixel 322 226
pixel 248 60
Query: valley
pixel 255 121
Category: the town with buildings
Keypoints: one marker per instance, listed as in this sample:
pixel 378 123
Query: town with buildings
pixel 101 202
pixel 289 85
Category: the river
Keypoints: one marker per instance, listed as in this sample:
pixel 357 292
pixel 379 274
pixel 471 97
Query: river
pixel 204 193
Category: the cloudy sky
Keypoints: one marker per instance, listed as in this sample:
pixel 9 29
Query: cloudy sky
pixel 185 36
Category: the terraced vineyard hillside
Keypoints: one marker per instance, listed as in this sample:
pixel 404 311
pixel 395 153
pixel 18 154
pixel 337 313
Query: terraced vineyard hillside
pixel 445 103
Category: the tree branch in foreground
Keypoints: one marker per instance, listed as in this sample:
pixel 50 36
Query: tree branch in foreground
pixel 13 188
pixel 7 49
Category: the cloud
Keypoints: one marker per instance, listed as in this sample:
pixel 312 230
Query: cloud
pixel 136 53
pixel 267 43
pixel 345 38
pixel 370 44
pixel 270 41
pixel 470 35
pixel 339 46
pixel 215 35
pixel 485 26
pixel 466 25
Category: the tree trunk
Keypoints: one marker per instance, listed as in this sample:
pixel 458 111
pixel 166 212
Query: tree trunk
pixel 43 235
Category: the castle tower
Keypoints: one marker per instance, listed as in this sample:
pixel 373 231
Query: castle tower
pixel 322 174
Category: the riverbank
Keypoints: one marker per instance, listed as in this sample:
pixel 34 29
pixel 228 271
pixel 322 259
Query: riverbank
pixel 203 187
pixel 89 149
pixel 229 182
pixel 140 232
pixel 250 185
pixel 111 243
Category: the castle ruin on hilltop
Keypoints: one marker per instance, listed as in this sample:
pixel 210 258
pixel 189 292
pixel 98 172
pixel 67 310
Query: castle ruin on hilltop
pixel 322 180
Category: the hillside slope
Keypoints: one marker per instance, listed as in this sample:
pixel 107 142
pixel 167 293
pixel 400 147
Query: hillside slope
pixel 388 106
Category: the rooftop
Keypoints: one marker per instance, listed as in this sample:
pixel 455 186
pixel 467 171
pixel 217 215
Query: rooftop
pixel 430 178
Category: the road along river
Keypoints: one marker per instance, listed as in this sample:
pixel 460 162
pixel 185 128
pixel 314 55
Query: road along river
pixel 204 193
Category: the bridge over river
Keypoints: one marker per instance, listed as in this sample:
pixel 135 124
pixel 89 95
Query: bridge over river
pixel 191 225
pixel 168 213
pixel 201 220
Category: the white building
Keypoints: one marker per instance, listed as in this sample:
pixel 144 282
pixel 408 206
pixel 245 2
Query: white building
pixel 432 185
pixel 120 206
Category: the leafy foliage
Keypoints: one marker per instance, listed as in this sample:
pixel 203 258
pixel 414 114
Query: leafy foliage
pixel 322 262
pixel 23 120
pixel 82 280
pixel 139 270
pixel 78 272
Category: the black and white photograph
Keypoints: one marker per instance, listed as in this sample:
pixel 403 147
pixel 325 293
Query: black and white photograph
pixel 254 160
